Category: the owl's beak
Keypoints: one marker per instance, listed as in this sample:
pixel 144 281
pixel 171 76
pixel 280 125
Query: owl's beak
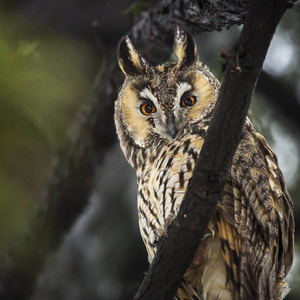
pixel 171 127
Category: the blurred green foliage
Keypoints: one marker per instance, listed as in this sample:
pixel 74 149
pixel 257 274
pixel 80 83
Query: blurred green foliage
pixel 43 81
pixel 136 8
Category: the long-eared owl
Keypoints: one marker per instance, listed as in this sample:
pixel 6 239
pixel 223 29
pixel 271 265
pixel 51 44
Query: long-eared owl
pixel 162 115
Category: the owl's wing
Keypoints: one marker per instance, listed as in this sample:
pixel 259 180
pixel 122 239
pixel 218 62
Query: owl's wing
pixel 255 222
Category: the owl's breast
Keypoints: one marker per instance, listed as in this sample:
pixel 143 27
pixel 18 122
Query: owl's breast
pixel 162 185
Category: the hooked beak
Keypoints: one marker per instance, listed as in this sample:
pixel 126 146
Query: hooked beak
pixel 171 127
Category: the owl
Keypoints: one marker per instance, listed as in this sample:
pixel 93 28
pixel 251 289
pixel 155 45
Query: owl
pixel 162 115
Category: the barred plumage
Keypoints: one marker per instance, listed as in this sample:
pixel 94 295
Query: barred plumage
pixel 162 115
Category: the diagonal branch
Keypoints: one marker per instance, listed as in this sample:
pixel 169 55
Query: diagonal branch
pixel 205 187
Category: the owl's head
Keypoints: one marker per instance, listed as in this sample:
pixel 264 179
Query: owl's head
pixel 162 102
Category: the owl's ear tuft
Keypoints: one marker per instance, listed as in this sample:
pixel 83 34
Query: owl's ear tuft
pixel 185 48
pixel 130 61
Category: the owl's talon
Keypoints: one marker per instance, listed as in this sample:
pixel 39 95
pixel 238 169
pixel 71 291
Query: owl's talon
pixel 159 233
pixel 168 222
pixel 194 265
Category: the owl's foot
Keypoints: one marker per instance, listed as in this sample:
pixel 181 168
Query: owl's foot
pixel 159 233
pixel 162 233
pixel 168 222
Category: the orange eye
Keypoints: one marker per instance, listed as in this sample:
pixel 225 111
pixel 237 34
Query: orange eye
pixel 188 101
pixel 147 109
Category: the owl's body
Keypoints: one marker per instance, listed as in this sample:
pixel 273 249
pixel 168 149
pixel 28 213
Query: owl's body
pixel 162 116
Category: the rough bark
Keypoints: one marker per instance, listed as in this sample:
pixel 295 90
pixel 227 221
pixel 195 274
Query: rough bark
pixel 154 32
pixel 205 187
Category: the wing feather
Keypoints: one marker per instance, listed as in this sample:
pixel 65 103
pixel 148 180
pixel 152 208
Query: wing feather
pixel 255 222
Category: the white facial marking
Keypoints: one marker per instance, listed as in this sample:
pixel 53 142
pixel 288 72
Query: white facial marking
pixel 145 93
pixel 183 88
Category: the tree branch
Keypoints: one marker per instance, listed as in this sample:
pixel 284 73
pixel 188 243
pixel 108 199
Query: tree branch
pixel 154 32
pixel 205 187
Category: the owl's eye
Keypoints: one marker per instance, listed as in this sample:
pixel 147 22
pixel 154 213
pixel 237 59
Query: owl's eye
pixel 147 109
pixel 188 101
